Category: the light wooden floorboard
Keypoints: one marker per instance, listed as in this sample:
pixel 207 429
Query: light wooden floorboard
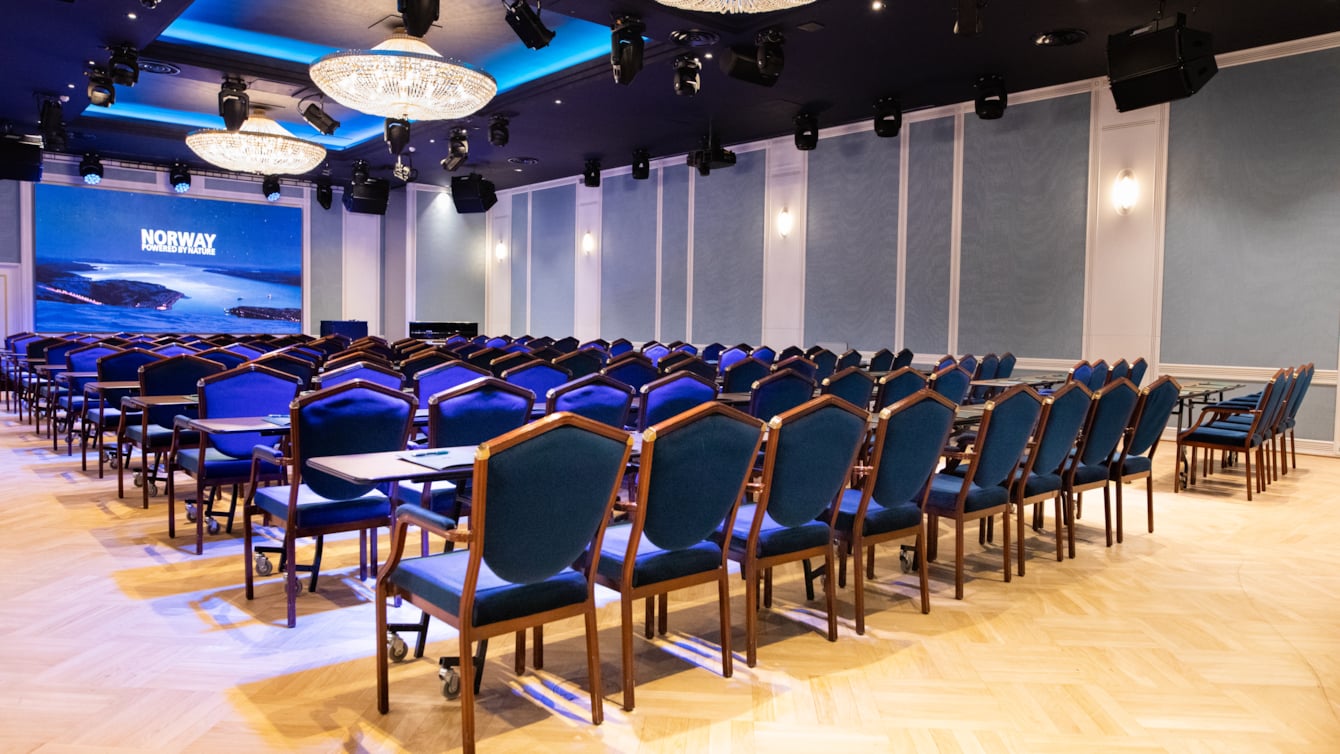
pixel 1219 633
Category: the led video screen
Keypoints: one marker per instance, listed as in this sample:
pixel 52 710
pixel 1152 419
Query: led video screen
pixel 112 261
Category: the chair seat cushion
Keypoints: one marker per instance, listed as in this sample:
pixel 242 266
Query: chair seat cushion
pixel 773 538
pixel 158 436
pixel 440 579
pixel 442 497
pixel 945 490
pixel 1212 435
pixel 315 511
pixel 107 417
pixel 1132 465
pixel 1042 484
pixel 879 519
pixel 221 466
pixel 653 564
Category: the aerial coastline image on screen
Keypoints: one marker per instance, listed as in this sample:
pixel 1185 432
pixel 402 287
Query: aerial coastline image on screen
pixel 114 261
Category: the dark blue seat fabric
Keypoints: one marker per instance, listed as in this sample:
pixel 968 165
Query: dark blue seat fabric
pixel 696 366
pixel 172 376
pixel 633 370
pixel 1046 465
pixel 789 352
pixel 710 353
pixel 850 358
pixel 1212 433
pixel 219 464
pixel 1081 373
pixel 1005 366
pixel 654 564
pixel 477 411
pixel 594 396
pixel 952 383
pixel 764 354
pixel 672 395
pixel 882 361
pixel 1111 416
pixel 897 385
pixel 655 353
pixel 581 363
pixel 317 511
pixel 1098 375
pixel 444 377
pixel 878 520
pixel 986 370
pixel 1120 369
pixel 778 393
pixel 742 375
pixel 537 377
pixel 775 538
pixel 1137 373
pixel 440 580
pixel 852 385
pixel 730 356
pixel 619 347
pixel 373 373
pixel 825 362
pixel 800 365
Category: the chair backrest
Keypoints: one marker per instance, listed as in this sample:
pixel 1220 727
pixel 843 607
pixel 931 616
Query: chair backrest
pixel 124 366
pixel 1151 416
pixel 227 358
pixel 252 389
pixel 55 353
pixel 1098 377
pixel 485 356
pixel 897 385
pixel 282 362
pixel 599 344
pixel 247 350
pixel 537 377
pixel 1005 365
pixel 741 376
pixel 542 496
pixel 583 362
pixel 444 377
pixel 948 360
pixel 671 395
pixel 1108 421
pixel 352 417
pixel 175 375
pixel 1007 423
pixel 952 383
pixel 476 411
pixel 1301 385
pixel 359 370
pixel 902 359
pixel 1080 372
pixel 850 358
pixel 800 365
pixel 908 442
pixel 882 361
pixel 765 354
pixel 422 360
pixel 852 384
pixel 633 370
pixel 1272 415
pixel 987 367
pixel 344 358
pixel 497 342
pixel 790 351
pixel 620 346
pixel 1120 369
pixel 695 365
pixel 671 359
pixel 566 345
pixel 594 396
pixel 1064 413
pixel 85 359
pixel 968 364
pixel 1138 368
pixel 655 353
pixel 825 363
pixel 811 449
pixel 175 349
pixel 729 357
pixel 711 450
pixel 511 360
pixel 778 393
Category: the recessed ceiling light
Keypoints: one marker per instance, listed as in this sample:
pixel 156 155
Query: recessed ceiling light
pixel 131 16
pixel 516 170
pixel 524 160
pixel 1060 37
pixel 707 55
pixel 69 86
pixel 558 102
pixel 877 5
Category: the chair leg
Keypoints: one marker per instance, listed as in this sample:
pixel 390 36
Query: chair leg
pixel 519 656
pixel 467 692
pixel 383 681
pixel 1060 524
pixel 626 639
pixel 1019 522
pixel 830 590
pixel 858 580
pixel 1247 472
pixel 922 578
pixel 1005 539
pixel 647 629
pixel 291 586
pixel 751 612
pixel 723 600
pixel 537 654
pixel 593 664
pixel 958 559
pixel 247 554
pixel 767 584
pixel 1107 513
pixel 1120 484
pixel 1149 497
pixel 932 537
pixel 870 562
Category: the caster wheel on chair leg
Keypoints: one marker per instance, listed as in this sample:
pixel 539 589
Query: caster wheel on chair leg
pixel 451 685
pixel 398 649
pixel 190 512
pixel 212 526
pixel 263 565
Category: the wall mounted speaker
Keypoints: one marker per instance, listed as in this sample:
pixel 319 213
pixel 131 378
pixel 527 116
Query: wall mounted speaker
pixel 1150 65
pixel 368 197
pixel 471 193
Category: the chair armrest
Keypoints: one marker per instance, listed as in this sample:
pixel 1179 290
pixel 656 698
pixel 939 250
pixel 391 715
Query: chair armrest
pixel 267 453
pixel 437 523
pixel 181 421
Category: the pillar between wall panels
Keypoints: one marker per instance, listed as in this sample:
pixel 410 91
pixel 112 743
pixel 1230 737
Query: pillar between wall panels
pixel 586 266
pixel 784 257
pixel 498 272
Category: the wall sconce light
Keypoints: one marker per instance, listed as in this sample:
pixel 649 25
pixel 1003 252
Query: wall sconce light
pixel 588 243
pixel 500 251
pixel 1125 192
pixel 785 223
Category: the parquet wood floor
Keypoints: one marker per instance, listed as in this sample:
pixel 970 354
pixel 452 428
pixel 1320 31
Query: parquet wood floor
pixel 1218 633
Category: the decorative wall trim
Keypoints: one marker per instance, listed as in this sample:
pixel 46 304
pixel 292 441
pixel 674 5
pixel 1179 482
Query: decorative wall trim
pixel 1255 375
pixel 955 233
pixel 900 294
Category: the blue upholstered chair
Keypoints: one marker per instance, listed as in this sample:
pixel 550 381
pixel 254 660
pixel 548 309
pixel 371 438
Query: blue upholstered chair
pixel 220 460
pixel 1005 366
pixel 632 369
pixel 600 344
pixel 442 377
pixel 852 384
pixel 669 360
pixel 545 493
pixel 825 363
pixel 359 370
pixel 654 352
pixel 672 395
pixel 352 417
pixel 809 457
pixel 619 347
pixel 595 397
pixel 800 365
pixel 685 347
pixel 1136 459
pixel 730 356
pixel 566 344
pixel 712 352
pixel 986 370
pixel 1138 369
pixel 765 354
pixel 290 365
pixel 174 349
pixel 582 362
pixel 498 342
pixel 485 356
pixel 1108 421
pixel 1211 433
pixel 850 358
pixel 537 377
pixel 789 352
pixel 1080 372
pixel 244 349
pixel 694 365
pixel 952 383
pixel 173 376
pixel 104 416
pixel 693 472
pixel 1296 396
pixel 779 392
pixel 968 363
pixel 424 359
pixel 882 361
pixel 512 360
pixel 225 357
pixel 888 503
pixel 981 490
pixel 742 375
pixel 1046 465
pixel 83 359
pixel 1120 369
pixel 1098 375
pixel 903 359
pixel 897 385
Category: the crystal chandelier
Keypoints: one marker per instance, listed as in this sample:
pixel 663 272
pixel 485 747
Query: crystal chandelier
pixel 403 78
pixel 260 146
pixel 734 6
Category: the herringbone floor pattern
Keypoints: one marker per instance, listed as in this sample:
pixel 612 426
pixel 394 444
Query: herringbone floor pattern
pixel 1218 633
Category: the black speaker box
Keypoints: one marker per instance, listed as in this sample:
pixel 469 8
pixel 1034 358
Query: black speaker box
pixel 19 161
pixel 1148 67
pixel 471 193
pixel 368 197
pixel 741 62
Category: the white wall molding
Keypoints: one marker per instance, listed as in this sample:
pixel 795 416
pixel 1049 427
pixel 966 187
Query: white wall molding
pixel 955 234
pixel 900 266
pixel 498 272
pixel 586 265
pixel 1253 375
pixel 786 187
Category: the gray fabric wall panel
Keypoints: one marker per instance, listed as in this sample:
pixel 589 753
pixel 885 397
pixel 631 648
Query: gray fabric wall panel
pixel 628 258
pixel 552 266
pixel 674 253
pixel 1316 417
pixel 930 196
pixel 1025 214
pixel 11 249
pixel 851 247
pixel 728 252
pixel 450 261
pixel 395 264
pixel 325 263
pixel 518 245
pixel 1250 262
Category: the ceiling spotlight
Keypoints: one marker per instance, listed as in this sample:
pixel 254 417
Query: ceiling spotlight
pixel 91 169
pixel 626 48
pixel 526 22
pixel 319 118
pixel 888 117
pixel 771 59
pixel 51 123
pixel 180 177
pixel 124 66
pixel 687 81
pixel 270 187
pixel 403 169
pixel 418 15
pixel 101 89
pixel 150 4
pixel 641 164
pixel 396 134
pixel 991 97
pixel 591 174
pixel 968 17
pixel 234 104
pixel 360 175
pixel 458 150
pixel 324 192
pixel 807 131
pixel 498 133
